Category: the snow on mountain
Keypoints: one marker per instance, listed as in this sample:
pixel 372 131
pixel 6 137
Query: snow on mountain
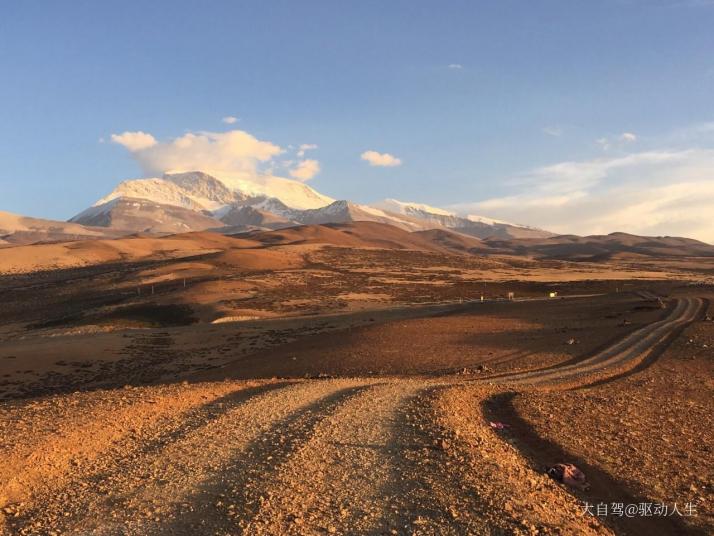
pixel 292 193
pixel 250 217
pixel 97 210
pixel 144 215
pixel 420 210
pixel 199 191
pixel 154 189
pixel 343 211
pixel 435 217
pixel 272 201
pixel 205 189
pixel 410 209
pixel 194 191
pixel 478 226
pixel 275 206
pixel 491 221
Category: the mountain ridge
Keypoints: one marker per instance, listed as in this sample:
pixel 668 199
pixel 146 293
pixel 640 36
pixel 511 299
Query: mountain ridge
pixel 278 202
pixel 197 201
pixel 16 229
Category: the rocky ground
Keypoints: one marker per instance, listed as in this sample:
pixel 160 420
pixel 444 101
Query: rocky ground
pixel 650 431
pixel 385 453
pixel 306 457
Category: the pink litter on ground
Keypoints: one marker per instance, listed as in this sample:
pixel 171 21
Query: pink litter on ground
pixel 568 474
pixel 499 425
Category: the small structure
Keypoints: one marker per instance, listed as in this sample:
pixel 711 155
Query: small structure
pixel 553 294
pixel 511 295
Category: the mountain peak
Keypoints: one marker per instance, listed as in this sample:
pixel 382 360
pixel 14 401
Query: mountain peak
pixel 188 199
pixel 409 208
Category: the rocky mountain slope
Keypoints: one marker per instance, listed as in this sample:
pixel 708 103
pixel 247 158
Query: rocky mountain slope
pixel 478 226
pixel 16 229
pixel 196 201
pixel 201 201
pixel 133 214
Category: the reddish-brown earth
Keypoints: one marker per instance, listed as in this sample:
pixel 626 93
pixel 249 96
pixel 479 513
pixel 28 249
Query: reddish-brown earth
pixel 335 396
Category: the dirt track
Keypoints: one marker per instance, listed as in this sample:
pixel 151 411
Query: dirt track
pixel 333 456
pixel 616 359
pixel 368 456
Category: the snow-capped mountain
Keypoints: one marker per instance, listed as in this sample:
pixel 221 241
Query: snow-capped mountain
pixel 133 214
pixel 247 216
pixel 196 190
pixel 294 194
pixel 410 209
pixel 341 211
pixel 344 211
pixel 179 202
pixel 478 226
pixel 156 190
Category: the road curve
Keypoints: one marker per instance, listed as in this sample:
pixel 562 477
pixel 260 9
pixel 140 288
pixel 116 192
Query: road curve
pixel 623 355
pixel 334 456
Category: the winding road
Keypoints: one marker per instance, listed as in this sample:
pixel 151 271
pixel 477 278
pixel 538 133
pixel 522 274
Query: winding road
pixel 614 360
pixel 343 456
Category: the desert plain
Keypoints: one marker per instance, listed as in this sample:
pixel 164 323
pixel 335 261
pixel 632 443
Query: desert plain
pixel 355 379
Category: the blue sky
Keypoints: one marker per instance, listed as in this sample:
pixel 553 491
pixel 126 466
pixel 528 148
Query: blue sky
pixel 478 100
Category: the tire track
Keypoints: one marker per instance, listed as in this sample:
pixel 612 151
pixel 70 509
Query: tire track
pixel 347 456
pixel 342 479
pixel 46 440
pixel 628 352
pixel 153 484
pixel 371 468
pixel 224 502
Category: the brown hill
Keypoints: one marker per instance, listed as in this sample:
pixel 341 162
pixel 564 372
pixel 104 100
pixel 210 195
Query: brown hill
pixel 454 241
pixel 37 257
pixel 365 234
pixel 603 247
pixel 233 248
pixel 22 259
pixel 16 230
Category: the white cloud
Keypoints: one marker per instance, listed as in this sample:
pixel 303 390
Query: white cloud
pixel 617 142
pixel 305 170
pixel 230 120
pixel 380 159
pixel 695 132
pixel 234 154
pixel 628 137
pixel 305 147
pixel 604 143
pixel 455 66
pixel 646 193
pixel 553 131
pixel 134 141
